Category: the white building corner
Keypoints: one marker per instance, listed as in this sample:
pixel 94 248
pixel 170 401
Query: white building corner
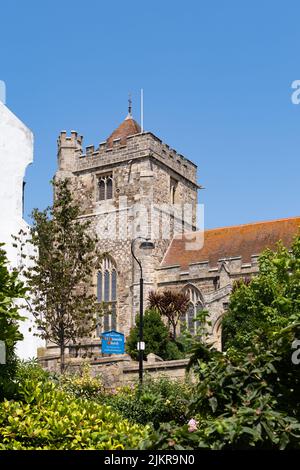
pixel 16 153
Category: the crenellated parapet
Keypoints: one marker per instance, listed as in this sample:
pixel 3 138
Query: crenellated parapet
pixel 76 159
pixel 203 270
pixel 69 141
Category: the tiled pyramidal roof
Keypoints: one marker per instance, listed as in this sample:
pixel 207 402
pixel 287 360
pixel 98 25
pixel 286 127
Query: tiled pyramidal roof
pixel 128 127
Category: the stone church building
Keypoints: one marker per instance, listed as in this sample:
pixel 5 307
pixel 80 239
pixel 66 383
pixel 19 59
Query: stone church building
pixel 134 185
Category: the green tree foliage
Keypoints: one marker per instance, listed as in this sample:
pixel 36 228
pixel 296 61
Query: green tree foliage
pixel 156 336
pixel 249 396
pixel 241 402
pixel 170 304
pixel 198 346
pixel 269 302
pixel 63 302
pixel 46 417
pixel 11 288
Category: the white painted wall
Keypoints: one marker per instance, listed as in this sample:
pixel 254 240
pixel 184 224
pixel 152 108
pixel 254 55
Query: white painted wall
pixel 16 153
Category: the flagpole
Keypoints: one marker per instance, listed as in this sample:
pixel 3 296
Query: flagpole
pixel 142 110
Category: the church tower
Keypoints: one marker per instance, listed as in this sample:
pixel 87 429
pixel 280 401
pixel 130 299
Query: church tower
pixel 131 185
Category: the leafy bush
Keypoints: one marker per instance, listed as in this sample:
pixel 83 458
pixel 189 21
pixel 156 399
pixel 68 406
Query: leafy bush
pixel 241 402
pixel 31 370
pixel 243 431
pixel 83 385
pixel 160 400
pixel 174 351
pixel 10 289
pixel 156 336
pixel 248 396
pixel 266 304
pixel 49 418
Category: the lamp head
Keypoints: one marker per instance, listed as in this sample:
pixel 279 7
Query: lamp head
pixel 147 245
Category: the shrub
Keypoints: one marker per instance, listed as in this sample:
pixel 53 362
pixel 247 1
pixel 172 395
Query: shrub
pixel 248 396
pixel 243 401
pixel 160 400
pixel 49 418
pixel 156 336
pixel 174 351
pixel 31 370
pixel 243 431
pixel 266 304
pixel 10 289
pixel 83 385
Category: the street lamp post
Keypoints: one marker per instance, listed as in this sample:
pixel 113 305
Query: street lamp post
pixel 146 244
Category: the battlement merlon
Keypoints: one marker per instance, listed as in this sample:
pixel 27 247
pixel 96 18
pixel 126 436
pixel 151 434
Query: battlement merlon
pixel 136 147
pixel 68 141
pixel 69 148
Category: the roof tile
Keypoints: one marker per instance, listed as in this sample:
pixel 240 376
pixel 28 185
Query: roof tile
pixel 128 127
pixel 228 242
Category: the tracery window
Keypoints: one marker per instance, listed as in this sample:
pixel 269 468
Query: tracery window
pixel 107 293
pixel 188 321
pixel 105 187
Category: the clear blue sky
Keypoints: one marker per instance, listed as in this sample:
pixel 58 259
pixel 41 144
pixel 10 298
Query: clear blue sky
pixel 217 81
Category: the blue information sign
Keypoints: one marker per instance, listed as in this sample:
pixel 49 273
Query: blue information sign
pixel 113 342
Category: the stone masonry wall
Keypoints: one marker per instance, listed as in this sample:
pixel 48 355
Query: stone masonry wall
pixel 214 283
pixel 116 371
pixel 141 171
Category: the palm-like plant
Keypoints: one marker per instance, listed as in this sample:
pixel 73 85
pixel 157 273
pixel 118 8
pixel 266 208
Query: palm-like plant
pixel 170 304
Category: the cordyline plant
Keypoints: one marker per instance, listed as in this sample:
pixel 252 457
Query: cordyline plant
pixel 172 305
pixel 59 278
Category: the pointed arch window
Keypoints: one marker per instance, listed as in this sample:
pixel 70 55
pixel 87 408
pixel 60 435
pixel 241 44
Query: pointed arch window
pixel 105 187
pixel 101 190
pixel 107 293
pixel 188 321
pixel 109 188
